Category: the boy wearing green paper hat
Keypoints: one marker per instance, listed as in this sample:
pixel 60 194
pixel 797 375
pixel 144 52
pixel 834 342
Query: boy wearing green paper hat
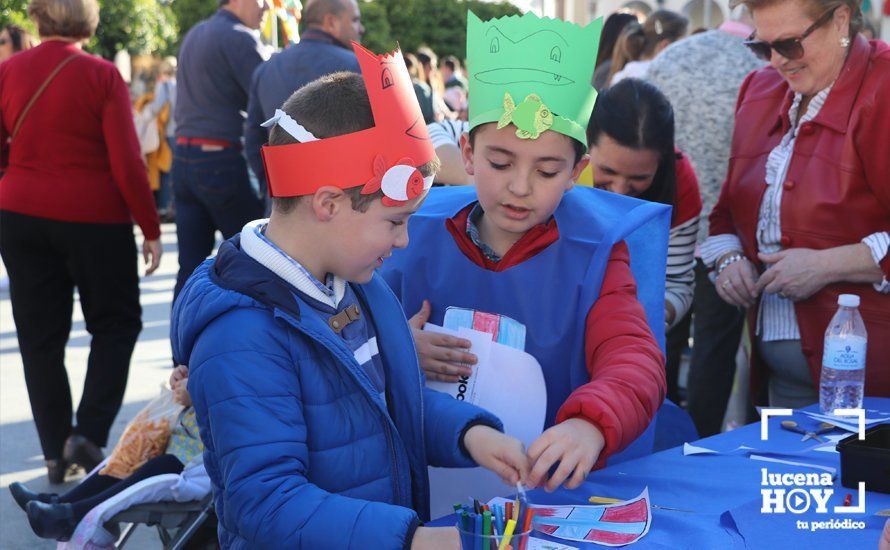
pixel 525 245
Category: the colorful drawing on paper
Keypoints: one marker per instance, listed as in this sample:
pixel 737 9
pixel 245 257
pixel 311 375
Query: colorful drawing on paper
pixel 608 525
pixel 541 544
pixel 502 329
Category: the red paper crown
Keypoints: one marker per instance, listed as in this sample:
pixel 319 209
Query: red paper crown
pixel 383 157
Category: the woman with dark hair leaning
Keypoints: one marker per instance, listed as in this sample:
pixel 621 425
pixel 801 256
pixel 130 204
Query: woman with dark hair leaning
pixel 804 214
pixel 631 138
pixel 74 182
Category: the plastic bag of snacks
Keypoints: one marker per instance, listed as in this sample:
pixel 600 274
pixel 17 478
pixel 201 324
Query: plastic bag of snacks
pixel 145 436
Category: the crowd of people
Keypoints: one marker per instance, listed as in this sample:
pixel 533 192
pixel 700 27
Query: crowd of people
pixel 741 183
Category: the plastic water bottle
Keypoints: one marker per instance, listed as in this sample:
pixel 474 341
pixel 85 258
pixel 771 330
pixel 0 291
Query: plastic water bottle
pixel 843 358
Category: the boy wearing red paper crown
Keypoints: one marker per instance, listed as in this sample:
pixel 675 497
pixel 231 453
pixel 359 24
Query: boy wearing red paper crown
pixel 304 378
pixel 530 250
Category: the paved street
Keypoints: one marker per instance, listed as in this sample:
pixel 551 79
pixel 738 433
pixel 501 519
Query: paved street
pixel 20 456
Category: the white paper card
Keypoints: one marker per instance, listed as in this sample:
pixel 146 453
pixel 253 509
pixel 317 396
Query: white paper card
pixel 508 383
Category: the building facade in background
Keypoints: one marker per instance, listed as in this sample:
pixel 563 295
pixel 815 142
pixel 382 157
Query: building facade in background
pixel 701 13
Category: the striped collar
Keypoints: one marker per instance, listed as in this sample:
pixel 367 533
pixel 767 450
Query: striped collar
pixel 473 232
pixel 813 107
pixel 256 245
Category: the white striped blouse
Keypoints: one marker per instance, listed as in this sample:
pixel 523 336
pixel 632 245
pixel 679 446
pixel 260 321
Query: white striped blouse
pixel 680 281
pixel 447 132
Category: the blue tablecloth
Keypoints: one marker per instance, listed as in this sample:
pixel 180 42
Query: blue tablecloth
pixel 724 493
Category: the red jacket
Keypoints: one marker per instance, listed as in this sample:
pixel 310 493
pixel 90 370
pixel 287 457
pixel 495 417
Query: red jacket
pixel 687 203
pixel 626 366
pixel 836 193
pixel 76 157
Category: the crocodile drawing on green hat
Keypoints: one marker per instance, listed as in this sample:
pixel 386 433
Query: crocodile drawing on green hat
pixel 544 64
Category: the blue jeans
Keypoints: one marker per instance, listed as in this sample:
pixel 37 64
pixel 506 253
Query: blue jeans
pixel 212 192
pixel 164 197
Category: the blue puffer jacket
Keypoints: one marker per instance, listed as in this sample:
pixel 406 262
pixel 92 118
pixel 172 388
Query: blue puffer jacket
pixel 302 452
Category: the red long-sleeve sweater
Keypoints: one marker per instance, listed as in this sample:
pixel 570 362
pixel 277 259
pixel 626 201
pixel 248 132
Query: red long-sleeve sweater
pixel 626 366
pixel 76 157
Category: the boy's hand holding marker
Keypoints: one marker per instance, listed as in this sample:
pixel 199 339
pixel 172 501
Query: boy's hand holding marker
pixel 575 444
pixel 497 452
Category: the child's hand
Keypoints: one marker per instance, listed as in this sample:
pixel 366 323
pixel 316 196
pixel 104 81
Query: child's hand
pixel 435 538
pixel 497 452
pixel 181 393
pixel 181 372
pixel 178 380
pixel 442 357
pixel 576 444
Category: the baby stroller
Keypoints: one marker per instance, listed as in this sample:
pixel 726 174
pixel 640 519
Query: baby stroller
pixel 176 504
pixel 176 522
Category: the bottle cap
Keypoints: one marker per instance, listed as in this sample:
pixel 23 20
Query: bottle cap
pixel 848 300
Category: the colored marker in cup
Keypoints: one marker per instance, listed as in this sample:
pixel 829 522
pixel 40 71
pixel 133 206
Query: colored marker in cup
pixel 508 534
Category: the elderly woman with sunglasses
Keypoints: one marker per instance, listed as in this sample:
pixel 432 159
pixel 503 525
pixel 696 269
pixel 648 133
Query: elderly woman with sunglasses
pixel 804 213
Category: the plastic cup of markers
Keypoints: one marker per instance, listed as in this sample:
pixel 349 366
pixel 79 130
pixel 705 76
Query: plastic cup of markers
pixel 472 541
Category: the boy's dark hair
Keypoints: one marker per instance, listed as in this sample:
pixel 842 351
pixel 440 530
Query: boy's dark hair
pixel 577 146
pixel 333 105
pixel 637 115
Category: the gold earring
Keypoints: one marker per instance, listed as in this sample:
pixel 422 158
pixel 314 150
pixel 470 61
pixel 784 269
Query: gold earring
pixel 845 42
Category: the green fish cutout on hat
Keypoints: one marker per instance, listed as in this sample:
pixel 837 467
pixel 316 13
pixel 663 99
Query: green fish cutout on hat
pixel 546 65
pixel 531 117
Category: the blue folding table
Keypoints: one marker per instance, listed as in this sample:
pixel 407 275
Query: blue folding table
pixel 722 494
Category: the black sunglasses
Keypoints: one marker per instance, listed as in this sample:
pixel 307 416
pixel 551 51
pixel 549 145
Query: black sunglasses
pixel 789 48
pixel 4 41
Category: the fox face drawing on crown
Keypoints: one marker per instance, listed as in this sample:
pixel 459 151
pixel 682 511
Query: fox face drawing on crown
pixel 385 157
pixel 532 72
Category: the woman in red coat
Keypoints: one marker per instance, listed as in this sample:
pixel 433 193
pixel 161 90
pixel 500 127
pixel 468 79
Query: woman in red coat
pixel 74 182
pixel 804 213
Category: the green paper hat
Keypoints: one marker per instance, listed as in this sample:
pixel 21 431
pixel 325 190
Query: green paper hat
pixel 532 72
